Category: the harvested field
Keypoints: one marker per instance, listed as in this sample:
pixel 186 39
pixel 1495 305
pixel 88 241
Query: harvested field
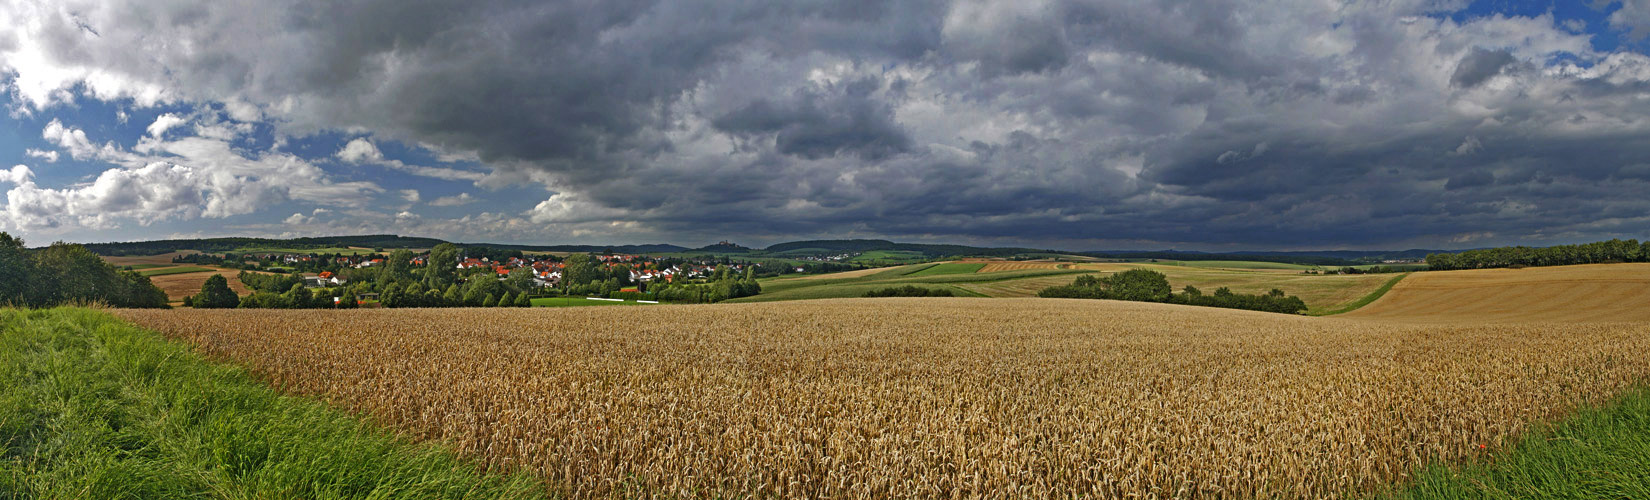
pixel 178 286
pixel 933 398
pixel 1596 292
pixel 995 266
pixel 162 271
pixel 1027 287
pixel 845 274
pixel 1321 292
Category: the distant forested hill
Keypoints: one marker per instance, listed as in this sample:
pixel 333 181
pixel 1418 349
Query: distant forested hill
pixel 931 250
pixel 219 245
pixel 625 249
pixel 791 249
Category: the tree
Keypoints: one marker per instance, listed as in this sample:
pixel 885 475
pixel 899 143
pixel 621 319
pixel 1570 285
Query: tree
pixel 215 294
pixel 522 300
pixel 580 269
pixel 489 301
pixel 68 273
pixel 140 292
pixel 520 280
pixel 443 267
pixel 298 298
pixel 15 270
pixel 1139 285
pixel 412 296
pixel 479 288
pixel 453 297
pixel 348 300
pixel 397 267
pixel 508 300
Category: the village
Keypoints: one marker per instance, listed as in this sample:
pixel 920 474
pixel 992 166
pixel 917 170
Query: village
pixel 332 270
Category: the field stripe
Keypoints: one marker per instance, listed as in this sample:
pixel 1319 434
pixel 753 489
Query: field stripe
pixel 1367 299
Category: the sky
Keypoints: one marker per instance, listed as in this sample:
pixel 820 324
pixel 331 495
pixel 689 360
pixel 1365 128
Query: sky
pixel 1083 125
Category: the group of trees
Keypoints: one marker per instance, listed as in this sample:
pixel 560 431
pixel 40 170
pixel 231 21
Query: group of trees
pixel 438 284
pixel 723 284
pixel 277 283
pixel 1139 285
pixel 1274 301
pixel 485 292
pixel 1365 270
pixel 68 274
pixel 301 297
pixel 1144 285
pixel 1561 255
pixel 909 291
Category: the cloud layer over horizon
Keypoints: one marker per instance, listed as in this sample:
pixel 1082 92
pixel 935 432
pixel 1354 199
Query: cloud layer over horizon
pixel 1072 124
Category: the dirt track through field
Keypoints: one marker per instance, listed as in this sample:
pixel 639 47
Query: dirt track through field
pixel 1565 294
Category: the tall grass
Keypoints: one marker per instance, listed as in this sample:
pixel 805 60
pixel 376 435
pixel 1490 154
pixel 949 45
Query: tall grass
pixel 1597 453
pixel 93 407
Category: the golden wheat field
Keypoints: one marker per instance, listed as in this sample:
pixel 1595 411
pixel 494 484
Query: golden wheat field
pixel 933 398
pixel 1596 292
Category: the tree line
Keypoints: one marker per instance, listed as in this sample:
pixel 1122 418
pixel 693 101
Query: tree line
pixel 1598 252
pixel 909 291
pixel 1143 285
pixel 722 284
pixel 65 273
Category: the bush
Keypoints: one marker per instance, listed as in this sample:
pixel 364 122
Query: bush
pixel 630 295
pixel 215 294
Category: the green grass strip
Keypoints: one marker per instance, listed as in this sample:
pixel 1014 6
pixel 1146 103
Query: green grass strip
pixel 950 268
pixel 172 270
pixel 93 407
pixel 581 302
pixel 917 269
pixel 1596 453
pixel 1385 287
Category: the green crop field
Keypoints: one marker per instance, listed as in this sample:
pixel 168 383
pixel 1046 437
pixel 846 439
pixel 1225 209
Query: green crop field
pixel 581 302
pixel 888 257
pixel 140 267
pixel 950 268
pixel 1239 264
pixel 162 271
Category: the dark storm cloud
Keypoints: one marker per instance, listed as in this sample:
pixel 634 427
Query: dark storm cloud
pixel 1480 65
pixel 1218 123
pixel 812 126
pixel 1469 179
